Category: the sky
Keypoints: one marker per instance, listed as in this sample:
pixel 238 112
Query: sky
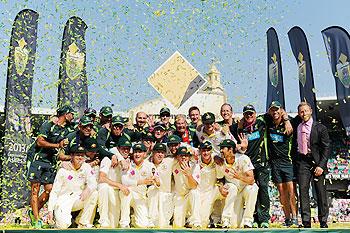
pixel 128 40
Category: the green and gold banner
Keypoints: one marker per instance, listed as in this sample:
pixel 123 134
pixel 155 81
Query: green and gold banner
pixel 17 136
pixel 300 48
pixel 275 89
pixel 72 87
pixel 337 42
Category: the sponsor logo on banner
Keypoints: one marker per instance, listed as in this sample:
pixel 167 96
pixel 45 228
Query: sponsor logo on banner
pixel 74 61
pixel 343 70
pixel 302 69
pixel 273 71
pixel 21 56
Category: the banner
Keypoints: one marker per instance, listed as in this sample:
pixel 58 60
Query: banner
pixel 274 70
pixel 337 42
pixel 18 101
pixel 300 48
pixel 72 88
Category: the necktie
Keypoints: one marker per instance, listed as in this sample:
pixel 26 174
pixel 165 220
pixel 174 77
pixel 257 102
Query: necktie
pixel 303 140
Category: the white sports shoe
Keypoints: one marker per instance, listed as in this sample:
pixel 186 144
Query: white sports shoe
pixel 226 223
pixel 85 226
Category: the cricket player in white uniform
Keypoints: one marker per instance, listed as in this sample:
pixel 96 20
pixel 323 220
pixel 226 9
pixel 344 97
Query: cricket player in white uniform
pixel 242 190
pixel 209 190
pixel 140 174
pixel 74 189
pixel 187 198
pixel 160 199
pixel 109 186
pixel 173 144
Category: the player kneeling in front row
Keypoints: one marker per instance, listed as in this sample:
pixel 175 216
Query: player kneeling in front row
pixel 109 185
pixel 160 199
pixel 209 191
pixel 187 198
pixel 74 189
pixel 242 190
pixel 75 184
pixel 140 174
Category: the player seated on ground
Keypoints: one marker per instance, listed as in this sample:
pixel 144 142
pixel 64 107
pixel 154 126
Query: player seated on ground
pixel 242 190
pixel 73 189
pixel 140 174
pixel 109 186
pixel 187 198
pixel 160 199
pixel 209 191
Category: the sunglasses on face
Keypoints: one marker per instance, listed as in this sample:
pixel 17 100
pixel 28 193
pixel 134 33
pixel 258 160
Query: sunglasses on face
pixel 165 115
pixel 248 113
pixel 88 126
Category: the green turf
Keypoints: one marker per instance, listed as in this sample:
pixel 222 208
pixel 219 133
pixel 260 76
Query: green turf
pixel 334 228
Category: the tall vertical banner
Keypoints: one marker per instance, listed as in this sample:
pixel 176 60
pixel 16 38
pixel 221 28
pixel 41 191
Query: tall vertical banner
pixel 73 87
pixel 274 70
pixel 337 42
pixel 14 188
pixel 300 48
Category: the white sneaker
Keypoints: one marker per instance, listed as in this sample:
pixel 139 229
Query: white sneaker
pixel 124 226
pixel 226 223
pixel 248 224
pixel 105 225
pixel 82 226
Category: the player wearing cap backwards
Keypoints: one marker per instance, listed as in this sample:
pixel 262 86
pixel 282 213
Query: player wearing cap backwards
pixel 242 190
pixel 42 163
pixel 140 174
pixel 280 146
pixel 160 199
pixel 209 191
pixel 75 186
pixel 254 128
pixel 109 185
pixel 215 134
pixel 187 198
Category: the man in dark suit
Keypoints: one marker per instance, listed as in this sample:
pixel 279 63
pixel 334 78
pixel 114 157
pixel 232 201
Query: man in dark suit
pixel 313 151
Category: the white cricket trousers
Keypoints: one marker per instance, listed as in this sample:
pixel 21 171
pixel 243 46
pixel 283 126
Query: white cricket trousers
pixel 182 204
pixel 108 205
pixel 139 203
pixel 160 207
pixel 207 204
pixel 67 204
pixel 244 206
